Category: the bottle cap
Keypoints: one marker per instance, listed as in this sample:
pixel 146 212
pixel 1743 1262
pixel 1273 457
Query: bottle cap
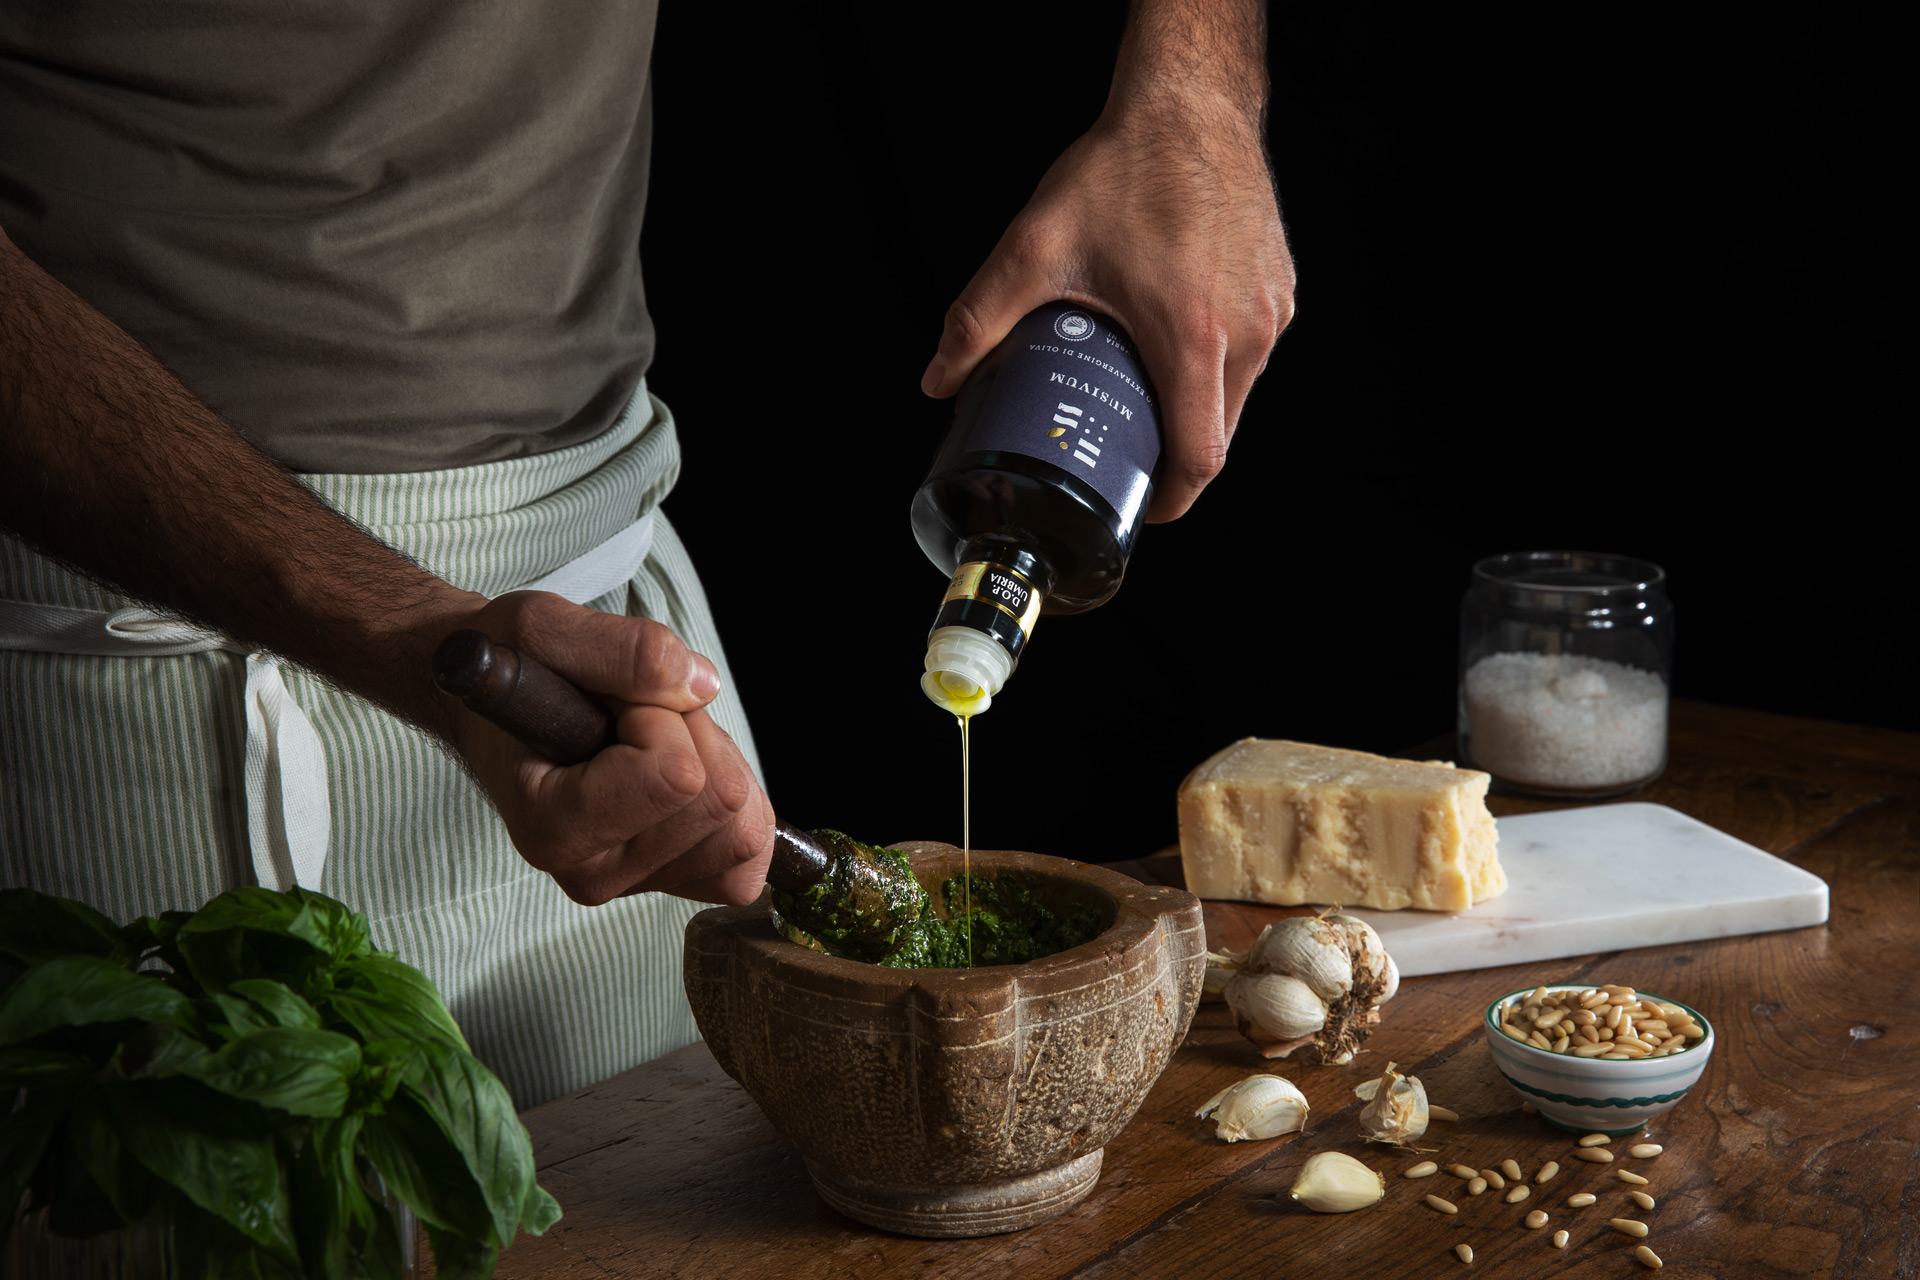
pixel 964 669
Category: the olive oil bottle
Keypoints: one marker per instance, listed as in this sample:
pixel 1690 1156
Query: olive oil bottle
pixel 1035 497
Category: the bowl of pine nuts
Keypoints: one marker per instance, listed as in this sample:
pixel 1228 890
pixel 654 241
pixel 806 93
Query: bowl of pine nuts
pixel 1597 1059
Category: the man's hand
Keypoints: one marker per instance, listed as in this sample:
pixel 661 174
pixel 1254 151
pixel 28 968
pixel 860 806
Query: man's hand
pixel 1163 216
pixel 672 806
pixel 109 463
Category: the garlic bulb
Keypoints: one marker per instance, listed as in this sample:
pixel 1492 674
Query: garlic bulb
pixel 1307 980
pixel 1396 1109
pixel 1335 1183
pixel 1257 1107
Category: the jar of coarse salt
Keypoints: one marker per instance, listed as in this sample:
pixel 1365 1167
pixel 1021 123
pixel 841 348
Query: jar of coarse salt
pixel 1565 662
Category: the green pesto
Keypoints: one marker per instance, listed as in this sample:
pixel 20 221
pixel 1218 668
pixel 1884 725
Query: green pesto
pixel 863 909
pixel 1012 922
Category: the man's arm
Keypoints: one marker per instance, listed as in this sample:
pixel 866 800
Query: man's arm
pixel 110 464
pixel 1163 216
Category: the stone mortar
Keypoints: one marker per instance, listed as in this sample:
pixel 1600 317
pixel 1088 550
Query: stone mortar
pixel 953 1102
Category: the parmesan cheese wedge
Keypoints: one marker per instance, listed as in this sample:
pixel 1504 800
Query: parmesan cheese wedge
pixel 1285 822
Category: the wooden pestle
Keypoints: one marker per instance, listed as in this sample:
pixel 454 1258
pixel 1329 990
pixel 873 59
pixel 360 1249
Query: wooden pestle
pixel 549 713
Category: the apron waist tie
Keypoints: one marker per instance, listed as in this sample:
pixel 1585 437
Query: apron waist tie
pixel 288 818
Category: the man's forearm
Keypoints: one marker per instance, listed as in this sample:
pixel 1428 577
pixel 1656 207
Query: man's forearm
pixel 1197 56
pixel 110 464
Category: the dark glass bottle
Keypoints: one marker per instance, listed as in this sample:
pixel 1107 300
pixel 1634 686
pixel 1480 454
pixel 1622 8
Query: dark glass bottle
pixel 1036 496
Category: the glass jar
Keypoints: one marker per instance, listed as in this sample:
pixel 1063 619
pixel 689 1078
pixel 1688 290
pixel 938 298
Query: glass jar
pixel 1566 658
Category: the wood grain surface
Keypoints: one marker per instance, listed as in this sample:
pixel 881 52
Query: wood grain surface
pixel 1797 1155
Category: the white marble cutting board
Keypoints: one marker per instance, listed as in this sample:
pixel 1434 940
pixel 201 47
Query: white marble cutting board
pixel 1603 879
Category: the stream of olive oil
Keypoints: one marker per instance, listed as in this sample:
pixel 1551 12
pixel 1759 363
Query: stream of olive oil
pixel 966 831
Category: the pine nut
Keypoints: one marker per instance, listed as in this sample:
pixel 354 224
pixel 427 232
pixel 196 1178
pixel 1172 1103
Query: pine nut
pixel 1628 1227
pixel 1641 1198
pixel 1442 1113
pixel 1594 1140
pixel 1621 1002
pixel 1613 1018
pixel 1648 1258
pixel 1560 1044
pixel 1594 1050
pixel 1634 1178
pixel 1581 1200
pixel 1476 1186
pixel 1461 1171
pixel 1512 1169
pixel 1560 1239
pixel 1425 1169
pixel 1614 989
pixel 1519 1193
pixel 1547 1171
pixel 1537 1219
pixel 1528 1108
pixel 1444 1206
pixel 1594 1155
pixel 1465 1252
pixel 1537 995
pixel 1693 1032
pixel 1534 1037
pixel 1616 1057
pixel 1494 1179
pixel 1511 1030
pixel 1588 1034
pixel 1645 1150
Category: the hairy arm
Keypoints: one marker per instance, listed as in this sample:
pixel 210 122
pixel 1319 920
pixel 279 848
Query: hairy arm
pixel 110 464
pixel 1162 215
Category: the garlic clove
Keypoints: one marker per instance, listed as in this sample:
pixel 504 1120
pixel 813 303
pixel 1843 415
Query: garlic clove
pixel 1393 983
pixel 1309 949
pixel 1396 1109
pixel 1273 1007
pixel 1257 1107
pixel 1332 1182
pixel 1372 966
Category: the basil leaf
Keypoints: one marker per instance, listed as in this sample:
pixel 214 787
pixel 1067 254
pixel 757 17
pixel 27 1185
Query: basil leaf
pixel 301 1072
pixel 37 926
pixel 282 1005
pixel 217 1151
pixel 539 1212
pixel 424 1169
pixel 154 1051
pixel 122 1180
pixel 39 1068
pixel 387 999
pixel 457 1257
pixel 332 1214
pixel 240 1016
pixel 78 990
pixel 472 1108
pixel 24 1135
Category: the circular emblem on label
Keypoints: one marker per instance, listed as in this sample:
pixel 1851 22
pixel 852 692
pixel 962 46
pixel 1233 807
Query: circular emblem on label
pixel 1073 326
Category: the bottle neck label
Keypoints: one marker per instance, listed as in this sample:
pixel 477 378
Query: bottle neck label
pixel 1072 391
pixel 993 598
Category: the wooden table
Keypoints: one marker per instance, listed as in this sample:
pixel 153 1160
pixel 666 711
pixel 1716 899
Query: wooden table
pixel 1798 1154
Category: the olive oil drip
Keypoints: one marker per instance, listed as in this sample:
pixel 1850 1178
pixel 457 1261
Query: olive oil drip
pixel 966 831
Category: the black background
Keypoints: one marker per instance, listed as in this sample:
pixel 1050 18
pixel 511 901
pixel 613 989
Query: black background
pixel 1625 286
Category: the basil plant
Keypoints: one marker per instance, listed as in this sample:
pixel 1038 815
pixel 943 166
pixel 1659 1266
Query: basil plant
pixel 249 1074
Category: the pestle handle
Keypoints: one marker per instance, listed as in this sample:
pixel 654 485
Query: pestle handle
pixel 545 710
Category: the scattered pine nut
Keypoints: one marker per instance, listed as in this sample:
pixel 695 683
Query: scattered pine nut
pixel 1628 1227
pixel 1560 1239
pixel 1462 1171
pixel 1645 1150
pixel 1512 1169
pixel 1594 1155
pixel 1581 1200
pixel 1547 1171
pixel 1519 1193
pixel 1537 1219
pixel 1442 1113
pixel 1425 1169
pixel 1529 1108
pixel 1465 1252
pixel 1648 1258
pixel 1641 1198
pixel 1494 1179
pixel 1476 1186
pixel 1595 1140
pixel 1444 1206
pixel 1634 1178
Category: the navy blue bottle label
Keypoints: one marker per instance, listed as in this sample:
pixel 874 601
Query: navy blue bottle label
pixel 1071 391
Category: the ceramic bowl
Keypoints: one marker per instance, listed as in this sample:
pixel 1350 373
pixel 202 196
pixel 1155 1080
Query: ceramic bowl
pixel 1596 1095
pixel 954 1102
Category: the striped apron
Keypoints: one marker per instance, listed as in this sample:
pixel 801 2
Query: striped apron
pixel 147 765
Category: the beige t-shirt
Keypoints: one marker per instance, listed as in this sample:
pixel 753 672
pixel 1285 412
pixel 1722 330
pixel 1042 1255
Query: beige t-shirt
pixel 377 235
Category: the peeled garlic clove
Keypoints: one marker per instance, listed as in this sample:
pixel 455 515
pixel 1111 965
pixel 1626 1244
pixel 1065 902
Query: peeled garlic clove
pixel 1273 1007
pixel 1257 1107
pixel 1308 948
pixel 1396 1109
pixel 1332 1182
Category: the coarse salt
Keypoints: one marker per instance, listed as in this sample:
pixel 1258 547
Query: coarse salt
pixel 1565 720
